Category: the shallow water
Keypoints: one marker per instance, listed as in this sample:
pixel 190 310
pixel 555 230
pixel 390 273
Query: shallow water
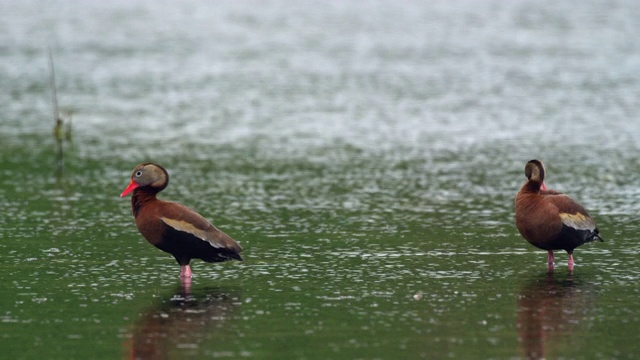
pixel 365 155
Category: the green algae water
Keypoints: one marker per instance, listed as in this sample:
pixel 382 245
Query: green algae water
pixel 365 156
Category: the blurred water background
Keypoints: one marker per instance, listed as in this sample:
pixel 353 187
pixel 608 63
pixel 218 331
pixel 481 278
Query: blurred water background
pixel 365 154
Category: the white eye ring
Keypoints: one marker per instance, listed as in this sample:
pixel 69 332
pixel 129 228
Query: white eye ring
pixel 138 173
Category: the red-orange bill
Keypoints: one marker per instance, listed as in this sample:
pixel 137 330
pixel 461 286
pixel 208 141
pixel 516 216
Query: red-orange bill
pixel 132 186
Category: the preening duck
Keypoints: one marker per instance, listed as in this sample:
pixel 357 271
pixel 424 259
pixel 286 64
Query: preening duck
pixel 551 220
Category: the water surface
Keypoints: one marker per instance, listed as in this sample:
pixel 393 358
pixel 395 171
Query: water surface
pixel 365 155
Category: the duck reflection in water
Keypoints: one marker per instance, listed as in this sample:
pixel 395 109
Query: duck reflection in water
pixel 181 322
pixel 549 311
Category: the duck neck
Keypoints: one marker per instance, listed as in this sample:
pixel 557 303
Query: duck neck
pixel 531 187
pixel 141 197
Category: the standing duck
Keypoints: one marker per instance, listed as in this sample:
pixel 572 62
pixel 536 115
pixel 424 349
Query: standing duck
pixel 172 227
pixel 551 220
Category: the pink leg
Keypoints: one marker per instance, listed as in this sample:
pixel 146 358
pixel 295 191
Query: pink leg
pixel 185 272
pixel 570 262
pixel 186 286
pixel 550 260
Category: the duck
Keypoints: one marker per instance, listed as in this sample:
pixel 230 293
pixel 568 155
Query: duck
pixel 173 227
pixel 549 219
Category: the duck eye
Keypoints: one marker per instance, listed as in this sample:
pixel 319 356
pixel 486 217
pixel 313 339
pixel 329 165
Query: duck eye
pixel 138 173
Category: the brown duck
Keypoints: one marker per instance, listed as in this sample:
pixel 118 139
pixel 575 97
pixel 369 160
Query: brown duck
pixel 172 227
pixel 551 220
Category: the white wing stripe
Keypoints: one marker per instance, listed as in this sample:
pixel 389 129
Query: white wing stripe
pixel 188 228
